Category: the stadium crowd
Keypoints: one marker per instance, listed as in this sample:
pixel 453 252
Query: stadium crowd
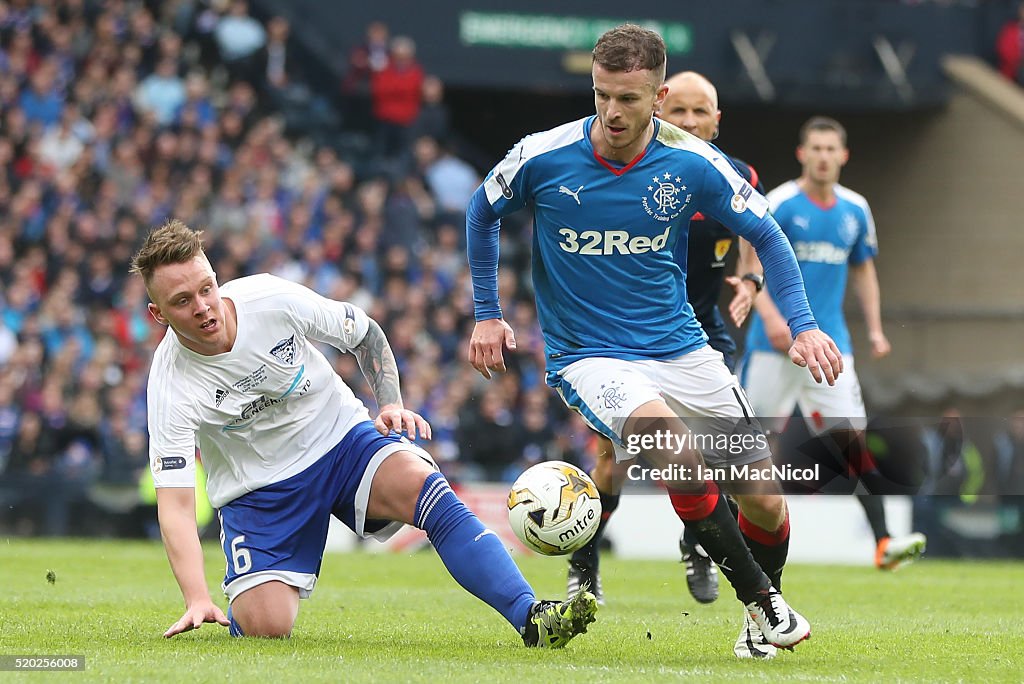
pixel 116 115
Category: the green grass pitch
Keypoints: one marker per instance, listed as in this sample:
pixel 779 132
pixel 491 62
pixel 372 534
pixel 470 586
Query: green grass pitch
pixel 402 618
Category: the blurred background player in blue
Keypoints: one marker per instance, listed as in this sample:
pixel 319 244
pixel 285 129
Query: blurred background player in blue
pixel 622 344
pixel 833 235
pixel 691 104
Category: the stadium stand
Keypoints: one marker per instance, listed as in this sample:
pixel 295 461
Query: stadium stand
pixel 119 115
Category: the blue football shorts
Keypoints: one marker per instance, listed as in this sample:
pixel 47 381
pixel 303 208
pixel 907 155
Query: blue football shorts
pixel 278 532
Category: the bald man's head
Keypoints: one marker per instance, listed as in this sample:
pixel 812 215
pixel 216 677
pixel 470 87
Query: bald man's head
pixel 692 81
pixel 692 104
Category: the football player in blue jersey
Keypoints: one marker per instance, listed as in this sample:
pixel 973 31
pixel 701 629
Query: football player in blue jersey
pixel 286 445
pixel 833 235
pixel 612 194
pixel 691 104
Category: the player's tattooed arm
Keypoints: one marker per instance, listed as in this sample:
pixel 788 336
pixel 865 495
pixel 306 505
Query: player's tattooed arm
pixel 377 362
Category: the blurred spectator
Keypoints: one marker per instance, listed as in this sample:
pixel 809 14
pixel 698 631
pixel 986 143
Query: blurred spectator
pixel 62 54
pixel 10 416
pixel 489 435
pixel 8 344
pixel 408 208
pixel 34 449
pixel 228 215
pixel 285 87
pixel 1009 445
pixel 197 110
pixel 364 60
pixel 242 102
pixel 61 146
pixel 162 93
pixel 41 102
pixel 145 34
pixel 239 40
pixel 169 46
pixel 100 284
pixel 956 463
pixel 537 434
pixel 451 180
pixel 199 20
pixel 21 56
pixel 33 478
pixel 434 119
pixel 122 98
pixel 278 68
pixel 397 91
pixel 1010 47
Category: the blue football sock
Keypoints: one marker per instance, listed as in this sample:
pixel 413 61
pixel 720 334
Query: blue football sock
pixel 233 628
pixel 473 554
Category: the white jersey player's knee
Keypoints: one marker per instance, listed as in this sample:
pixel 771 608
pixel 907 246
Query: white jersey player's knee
pixel 267 610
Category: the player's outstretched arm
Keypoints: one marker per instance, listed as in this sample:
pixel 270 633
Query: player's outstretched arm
pixel 485 346
pixel 787 311
pixel 775 326
pixel 491 332
pixel 811 348
pixel 176 510
pixel 814 350
pixel 377 362
pixel 864 281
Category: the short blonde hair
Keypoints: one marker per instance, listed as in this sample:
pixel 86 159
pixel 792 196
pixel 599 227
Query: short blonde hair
pixel 171 243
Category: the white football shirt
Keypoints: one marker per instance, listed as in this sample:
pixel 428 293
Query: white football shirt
pixel 267 409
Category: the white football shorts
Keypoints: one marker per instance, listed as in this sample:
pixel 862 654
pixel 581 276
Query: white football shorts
pixel 698 386
pixel 775 386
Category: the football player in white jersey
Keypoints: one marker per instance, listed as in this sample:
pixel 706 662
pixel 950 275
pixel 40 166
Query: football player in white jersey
pixel 833 233
pixel 611 195
pixel 286 444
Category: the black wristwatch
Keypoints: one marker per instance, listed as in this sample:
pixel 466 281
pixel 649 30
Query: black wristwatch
pixel 758 280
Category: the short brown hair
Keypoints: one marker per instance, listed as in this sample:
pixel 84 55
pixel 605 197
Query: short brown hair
pixel 171 243
pixel 631 48
pixel 822 123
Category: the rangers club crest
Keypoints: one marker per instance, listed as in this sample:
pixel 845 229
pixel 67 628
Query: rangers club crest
pixel 612 396
pixel 666 197
pixel 849 229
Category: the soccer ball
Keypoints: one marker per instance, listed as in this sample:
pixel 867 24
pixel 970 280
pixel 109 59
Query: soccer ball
pixel 554 508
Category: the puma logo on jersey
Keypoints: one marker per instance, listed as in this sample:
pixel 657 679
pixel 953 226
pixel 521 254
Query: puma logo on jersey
pixel 608 242
pixel 566 191
pixel 506 191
